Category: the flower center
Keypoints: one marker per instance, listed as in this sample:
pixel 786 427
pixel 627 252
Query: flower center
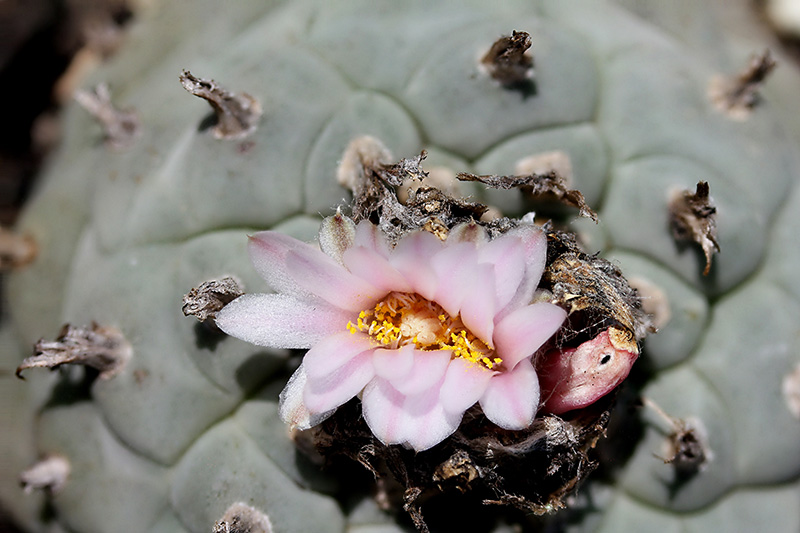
pixel 402 318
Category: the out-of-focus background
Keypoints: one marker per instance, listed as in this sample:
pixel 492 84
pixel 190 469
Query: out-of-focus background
pixel 45 46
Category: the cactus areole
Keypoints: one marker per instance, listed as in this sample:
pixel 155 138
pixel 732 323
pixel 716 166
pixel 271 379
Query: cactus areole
pixel 402 229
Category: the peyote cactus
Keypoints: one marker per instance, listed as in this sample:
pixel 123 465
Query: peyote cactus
pixel 185 432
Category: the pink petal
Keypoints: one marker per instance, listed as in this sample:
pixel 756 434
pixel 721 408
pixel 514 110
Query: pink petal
pixel 268 250
pixel 535 249
pixel 369 236
pixel 455 268
pixel 464 384
pixel 320 275
pixel 393 364
pixel 335 351
pixel 522 332
pixel 424 423
pixel 411 257
pixel 535 245
pixel 478 307
pixel 512 398
pixel 428 369
pixel 468 232
pixel 336 234
pixel 382 407
pixel 371 266
pixel 280 321
pixel 329 392
pixel 416 421
pixel 507 255
pixel 292 409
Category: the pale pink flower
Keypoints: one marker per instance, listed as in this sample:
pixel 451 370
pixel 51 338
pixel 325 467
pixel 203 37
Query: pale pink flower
pixel 421 331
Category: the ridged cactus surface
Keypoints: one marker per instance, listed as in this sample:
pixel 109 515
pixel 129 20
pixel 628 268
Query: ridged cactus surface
pixel 190 426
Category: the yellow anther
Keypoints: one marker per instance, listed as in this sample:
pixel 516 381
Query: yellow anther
pixel 408 318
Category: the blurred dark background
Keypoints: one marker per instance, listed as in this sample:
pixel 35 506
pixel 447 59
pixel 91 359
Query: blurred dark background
pixel 45 46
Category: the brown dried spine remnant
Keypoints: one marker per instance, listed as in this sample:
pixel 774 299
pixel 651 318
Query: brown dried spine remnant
pixel 205 301
pixel 737 96
pixel 100 347
pixel 507 62
pixel 544 186
pixel 366 170
pixel 121 127
pixel 557 161
pixel 50 474
pixel 242 518
pixel 237 115
pixel 694 217
pixel 441 178
pixel 15 250
pixel 687 447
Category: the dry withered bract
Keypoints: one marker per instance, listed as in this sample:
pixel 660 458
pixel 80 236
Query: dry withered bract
pixel 365 169
pixel 693 216
pixel 508 63
pixel 121 127
pixel 204 301
pixel 737 96
pixel 103 348
pixel 539 186
pixel 237 115
pixel 687 448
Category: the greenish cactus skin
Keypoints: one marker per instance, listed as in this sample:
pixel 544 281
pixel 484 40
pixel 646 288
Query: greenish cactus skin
pixel 189 427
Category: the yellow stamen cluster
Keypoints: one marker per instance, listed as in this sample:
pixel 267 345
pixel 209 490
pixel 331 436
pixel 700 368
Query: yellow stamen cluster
pixel 402 318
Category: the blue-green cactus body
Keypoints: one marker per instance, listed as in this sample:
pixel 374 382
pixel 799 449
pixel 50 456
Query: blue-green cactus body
pixel 189 427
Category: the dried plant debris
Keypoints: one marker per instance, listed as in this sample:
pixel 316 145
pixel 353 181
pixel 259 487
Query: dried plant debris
pixel 533 470
pixel 508 62
pixel 366 171
pixel 458 471
pixel 121 127
pixel 594 291
pixel 237 115
pixel 100 347
pixel 737 96
pixel 15 250
pixel 693 217
pixel 49 475
pixel 437 177
pixel 242 518
pixel 686 448
pixel 205 301
pixel 557 161
pixel 547 186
